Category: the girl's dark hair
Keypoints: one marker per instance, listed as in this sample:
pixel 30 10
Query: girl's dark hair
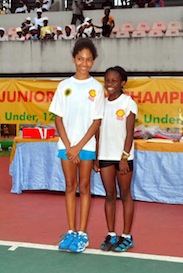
pixel 120 70
pixel 84 43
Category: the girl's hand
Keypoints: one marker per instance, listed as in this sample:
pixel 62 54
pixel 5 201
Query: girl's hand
pixel 72 154
pixel 123 167
pixel 96 166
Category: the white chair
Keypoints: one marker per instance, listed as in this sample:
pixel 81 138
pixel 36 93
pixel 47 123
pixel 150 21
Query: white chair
pixel 139 34
pixel 128 27
pixel 175 25
pixel 172 33
pixel 123 34
pixel 143 26
pixel 159 26
pixel 155 33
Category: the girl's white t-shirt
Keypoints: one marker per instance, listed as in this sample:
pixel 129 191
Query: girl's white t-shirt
pixel 113 128
pixel 79 103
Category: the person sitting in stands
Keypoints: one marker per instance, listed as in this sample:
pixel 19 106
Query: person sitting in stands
pixel 59 33
pixel 46 27
pixel 80 31
pixel 19 36
pixel 33 33
pixel 88 4
pixel 26 25
pixel 139 4
pixel 107 23
pixel 22 8
pixel 108 4
pixel 46 5
pixel 68 35
pixel 89 29
pixel 7 7
pixel 38 5
pixel 48 35
pixel 38 20
pixel 3 36
pixel 156 3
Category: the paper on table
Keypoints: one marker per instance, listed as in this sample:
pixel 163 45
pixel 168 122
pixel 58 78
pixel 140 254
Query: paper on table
pixel 161 140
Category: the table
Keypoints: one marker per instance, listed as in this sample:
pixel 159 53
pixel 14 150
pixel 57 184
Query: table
pixel 34 165
pixel 158 176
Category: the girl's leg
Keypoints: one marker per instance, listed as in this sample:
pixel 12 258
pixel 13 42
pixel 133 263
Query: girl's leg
pixel 108 175
pixel 124 182
pixel 85 168
pixel 70 173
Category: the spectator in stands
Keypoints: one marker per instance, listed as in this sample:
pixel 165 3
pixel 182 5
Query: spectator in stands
pixel 33 33
pixel 89 29
pixel 156 3
pixel 80 31
pixel 107 23
pixel 38 20
pixel 45 28
pixel 88 4
pixel 38 5
pixel 68 35
pixel 77 12
pixel 6 131
pixel 19 36
pixel 7 7
pixel 22 8
pixel 139 4
pixel 26 25
pixel 46 5
pixel 59 34
pixel 48 35
pixel 3 36
pixel 107 4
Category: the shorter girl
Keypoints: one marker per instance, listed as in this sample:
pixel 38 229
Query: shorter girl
pixel 115 155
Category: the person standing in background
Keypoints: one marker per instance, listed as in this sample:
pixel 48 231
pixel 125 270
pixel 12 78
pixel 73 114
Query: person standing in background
pixel 77 12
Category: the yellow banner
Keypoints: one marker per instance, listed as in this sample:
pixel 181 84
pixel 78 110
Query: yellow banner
pixel 27 101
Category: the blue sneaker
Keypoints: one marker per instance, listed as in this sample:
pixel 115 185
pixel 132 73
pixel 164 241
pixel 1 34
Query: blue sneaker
pixel 109 242
pixel 80 242
pixel 67 240
pixel 123 244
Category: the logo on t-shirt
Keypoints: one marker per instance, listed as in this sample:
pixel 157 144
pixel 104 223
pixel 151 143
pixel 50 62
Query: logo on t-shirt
pixel 92 94
pixel 67 92
pixel 120 113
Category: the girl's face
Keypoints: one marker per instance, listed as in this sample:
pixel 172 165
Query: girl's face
pixel 113 84
pixel 83 62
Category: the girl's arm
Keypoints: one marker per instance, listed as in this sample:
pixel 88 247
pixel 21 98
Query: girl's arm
pixel 130 124
pixel 61 131
pixel 74 151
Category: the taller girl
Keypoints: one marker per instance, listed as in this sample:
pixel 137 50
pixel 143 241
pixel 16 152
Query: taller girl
pixel 78 107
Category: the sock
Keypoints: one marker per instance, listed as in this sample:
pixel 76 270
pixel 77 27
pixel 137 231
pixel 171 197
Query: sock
pixel 71 231
pixel 81 232
pixel 126 235
pixel 112 233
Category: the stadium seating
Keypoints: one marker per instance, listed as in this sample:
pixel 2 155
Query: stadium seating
pixel 159 26
pixel 155 33
pixel 175 25
pixel 123 34
pixel 138 34
pixel 143 26
pixel 128 26
pixel 172 33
